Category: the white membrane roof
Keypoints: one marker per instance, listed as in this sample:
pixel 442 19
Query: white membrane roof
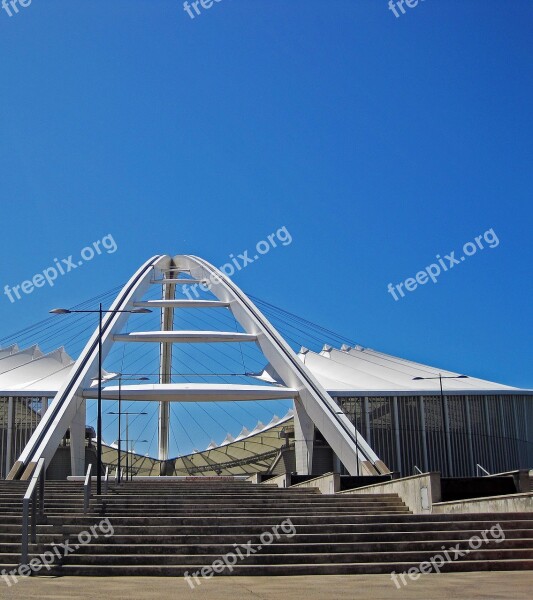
pixel 358 370
pixel 365 370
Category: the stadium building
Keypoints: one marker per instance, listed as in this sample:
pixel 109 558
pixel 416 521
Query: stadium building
pixel 474 426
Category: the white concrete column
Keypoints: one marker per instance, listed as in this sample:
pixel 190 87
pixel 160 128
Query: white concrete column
pixel 304 435
pixel 337 465
pixel 77 441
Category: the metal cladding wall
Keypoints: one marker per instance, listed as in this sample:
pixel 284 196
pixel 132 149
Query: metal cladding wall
pixel 491 430
pixel 18 419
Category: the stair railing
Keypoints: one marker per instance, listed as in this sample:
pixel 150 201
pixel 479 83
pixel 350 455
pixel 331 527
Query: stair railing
pixel 30 497
pixel 119 476
pixel 106 479
pixel 480 468
pixel 87 490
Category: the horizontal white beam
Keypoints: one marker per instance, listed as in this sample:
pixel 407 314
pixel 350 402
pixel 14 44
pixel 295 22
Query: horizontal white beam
pixel 178 281
pixel 185 337
pixel 166 269
pixel 181 304
pixel 194 392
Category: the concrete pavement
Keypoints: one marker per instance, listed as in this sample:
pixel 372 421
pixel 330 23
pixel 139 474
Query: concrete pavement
pixel 446 586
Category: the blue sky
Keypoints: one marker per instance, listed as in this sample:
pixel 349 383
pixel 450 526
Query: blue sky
pixel 378 142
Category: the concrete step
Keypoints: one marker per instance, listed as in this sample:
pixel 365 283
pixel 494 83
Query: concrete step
pixel 265 557
pixel 221 538
pixel 297 543
pixel 9 540
pixel 213 498
pixel 168 528
pixel 342 523
pixel 262 558
pixel 202 497
pixel 244 507
pixel 336 515
pixel 315 501
pixel 295 546
pixel 323 568
pixel 386 521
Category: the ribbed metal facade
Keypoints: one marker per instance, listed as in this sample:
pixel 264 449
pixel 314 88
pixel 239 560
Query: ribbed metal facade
pixel 406 432
pixel 452 435
pixel 18 419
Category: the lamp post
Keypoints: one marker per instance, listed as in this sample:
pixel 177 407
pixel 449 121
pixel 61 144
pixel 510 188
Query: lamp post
pixel 100 312
pixel 131 452
pixel 120 377
pixel 443 414
pixel 127 413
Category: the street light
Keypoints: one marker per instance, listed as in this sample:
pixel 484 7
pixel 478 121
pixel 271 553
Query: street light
pixel 131 451
pixel 443 415
pixel 127 413
pixel 120 380
pixel 100 311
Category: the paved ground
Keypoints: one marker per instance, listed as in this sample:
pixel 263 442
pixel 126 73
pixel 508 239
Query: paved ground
pixel 449 586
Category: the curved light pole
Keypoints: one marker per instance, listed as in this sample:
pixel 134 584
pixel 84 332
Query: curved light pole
pixel 100 312
pixel 446 441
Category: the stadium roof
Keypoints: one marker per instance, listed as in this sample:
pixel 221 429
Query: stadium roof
pixel 344 372
pixel 250 452
pixel 356 370
pixel 31 373
pixel 362 370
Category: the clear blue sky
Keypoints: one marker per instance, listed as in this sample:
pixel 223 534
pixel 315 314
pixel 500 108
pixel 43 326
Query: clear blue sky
pixel 377 141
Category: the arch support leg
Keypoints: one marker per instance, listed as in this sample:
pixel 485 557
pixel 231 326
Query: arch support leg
pixel 304 436
pixel 77 441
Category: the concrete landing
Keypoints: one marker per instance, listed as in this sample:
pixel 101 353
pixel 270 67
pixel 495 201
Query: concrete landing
pixel 460 586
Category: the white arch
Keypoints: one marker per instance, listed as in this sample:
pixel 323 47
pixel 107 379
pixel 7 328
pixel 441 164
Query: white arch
pixel 69 399
pixel 313 405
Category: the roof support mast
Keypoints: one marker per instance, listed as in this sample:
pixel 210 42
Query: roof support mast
pixel 165 364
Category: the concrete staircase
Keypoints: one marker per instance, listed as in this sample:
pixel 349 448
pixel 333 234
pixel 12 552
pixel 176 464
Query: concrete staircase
pixel 168 527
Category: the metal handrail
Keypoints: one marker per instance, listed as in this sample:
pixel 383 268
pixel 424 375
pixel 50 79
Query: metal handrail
pixel 87 490
pixel 418 470
pixel 38 476
pixel 106 479
pixel 480 468
pixel 119 476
